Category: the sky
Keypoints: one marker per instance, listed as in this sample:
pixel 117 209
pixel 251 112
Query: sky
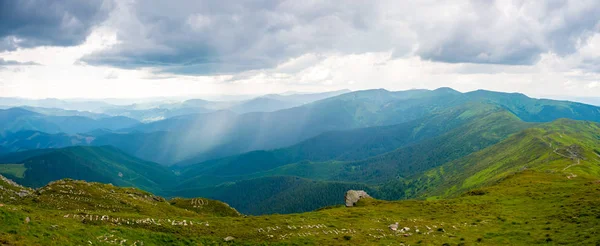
pixel 152 48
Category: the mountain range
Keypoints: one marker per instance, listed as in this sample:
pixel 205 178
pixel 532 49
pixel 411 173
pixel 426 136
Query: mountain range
pixel 393 144
pixel 479 167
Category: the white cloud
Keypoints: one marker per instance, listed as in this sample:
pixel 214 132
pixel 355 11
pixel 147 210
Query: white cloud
pixel 162 48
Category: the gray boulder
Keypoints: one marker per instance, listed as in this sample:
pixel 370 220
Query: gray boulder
pixel 352 197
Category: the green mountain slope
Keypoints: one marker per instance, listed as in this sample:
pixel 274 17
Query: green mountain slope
pixel 473 133
pixel 99 164
pixel 220 134
pixel 537 110
pixel 566 147
pixel 354 144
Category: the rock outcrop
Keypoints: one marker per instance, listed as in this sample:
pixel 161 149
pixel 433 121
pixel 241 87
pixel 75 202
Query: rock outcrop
pixel 12 190
pixel 352 197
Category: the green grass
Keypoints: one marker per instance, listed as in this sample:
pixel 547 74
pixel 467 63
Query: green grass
pixel 564 147
pixel 525 208
pixel 15 170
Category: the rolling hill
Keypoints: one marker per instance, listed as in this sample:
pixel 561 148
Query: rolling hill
pixel 566 147
pixel 95 164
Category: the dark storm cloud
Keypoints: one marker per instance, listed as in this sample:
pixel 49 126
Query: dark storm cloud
pixel 211 37
pixel 31 23
pixel 208 37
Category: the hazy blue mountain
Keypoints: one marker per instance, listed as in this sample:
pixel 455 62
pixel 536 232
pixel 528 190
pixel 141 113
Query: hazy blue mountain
pixel 275 102
pixel 262 104
pixel 29 140
pixel 356 144
pixel 224 133
pixel 303 98
pixel 80 105
pixel 65 112
pixel 369 155
pixel 17 119
pixel 99 164
pixel 154 114
pixel 199 137
pixel 196 138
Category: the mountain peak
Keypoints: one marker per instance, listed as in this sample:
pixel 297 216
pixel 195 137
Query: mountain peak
pixel 447 90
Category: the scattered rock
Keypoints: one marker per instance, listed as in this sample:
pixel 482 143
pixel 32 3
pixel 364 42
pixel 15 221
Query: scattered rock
pixel 352 197
pixel 229 238
pixel 27 220
pixel 394 227
pixel 1 205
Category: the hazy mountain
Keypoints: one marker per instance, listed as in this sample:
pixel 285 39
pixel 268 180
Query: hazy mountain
pixel 99 164
pixel 153 114
pixel 369 155
pixel 17 119
pixel 262 104
pixel 29 140
pixel 65 112
pixel 79 105
pixel 196 138
pixel 224 133
pixel 260 131
pixel 303 98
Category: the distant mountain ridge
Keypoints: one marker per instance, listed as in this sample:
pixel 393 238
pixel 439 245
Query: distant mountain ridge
pixel 104 164
pixel 194 138
pixel 17 119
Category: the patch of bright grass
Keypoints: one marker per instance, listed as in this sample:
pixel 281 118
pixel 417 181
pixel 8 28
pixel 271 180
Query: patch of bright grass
pixel 16 170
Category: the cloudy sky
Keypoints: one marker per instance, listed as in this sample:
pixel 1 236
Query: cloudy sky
pixel 128 48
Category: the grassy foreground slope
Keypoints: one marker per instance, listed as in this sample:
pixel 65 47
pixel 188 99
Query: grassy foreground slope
pixel 525 208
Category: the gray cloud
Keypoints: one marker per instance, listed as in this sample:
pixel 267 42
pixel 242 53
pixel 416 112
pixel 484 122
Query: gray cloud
pixel 16 63
pixel 500 33
pixel 31 23
pixel 212 37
